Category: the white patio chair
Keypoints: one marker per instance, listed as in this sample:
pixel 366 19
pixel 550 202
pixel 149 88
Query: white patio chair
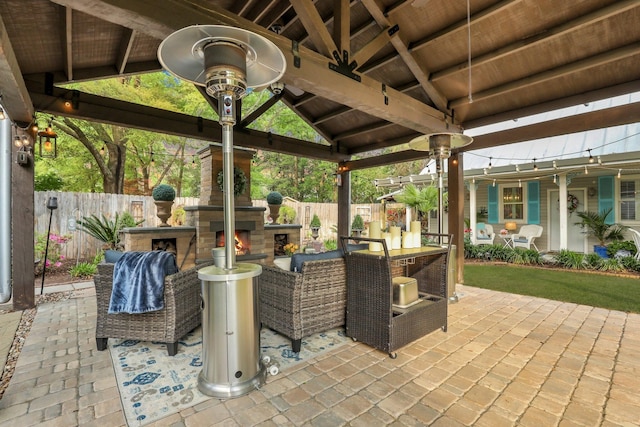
pixel 483 234
pixel 526 236
pixel 636 239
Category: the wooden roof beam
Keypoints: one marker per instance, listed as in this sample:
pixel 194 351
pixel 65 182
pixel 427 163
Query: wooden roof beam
pixel 373 47
pixel 585 64
pixel 341 26
pixel 126 44
pixel 545 37
pixel 373 127
pixel 16 100
pixel 163 18
pixel 67 42
pixel 121 113
pixel 313 23
pixel 421 74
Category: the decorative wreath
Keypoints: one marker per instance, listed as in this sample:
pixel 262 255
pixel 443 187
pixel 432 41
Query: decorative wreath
pixel 239 181
pixel 572 203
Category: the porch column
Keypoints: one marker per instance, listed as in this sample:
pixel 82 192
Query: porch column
pixel 456 211
pixel 472 205
pixel 564 218
pixel 344 203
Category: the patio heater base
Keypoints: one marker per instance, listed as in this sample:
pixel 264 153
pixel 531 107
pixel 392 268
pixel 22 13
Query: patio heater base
pixel 231 364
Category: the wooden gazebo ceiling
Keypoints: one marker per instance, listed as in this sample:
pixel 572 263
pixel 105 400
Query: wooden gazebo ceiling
pixel 405 65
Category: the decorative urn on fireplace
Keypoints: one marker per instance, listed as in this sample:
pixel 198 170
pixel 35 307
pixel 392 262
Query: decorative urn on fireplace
pixel 163 196
pixel 274 200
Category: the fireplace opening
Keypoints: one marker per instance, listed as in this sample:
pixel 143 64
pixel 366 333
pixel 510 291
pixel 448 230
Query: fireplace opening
pixel 169 245
pixel 242 242
pixel 279 242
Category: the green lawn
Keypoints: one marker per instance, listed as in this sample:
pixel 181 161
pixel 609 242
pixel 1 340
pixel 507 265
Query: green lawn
pixel 597 290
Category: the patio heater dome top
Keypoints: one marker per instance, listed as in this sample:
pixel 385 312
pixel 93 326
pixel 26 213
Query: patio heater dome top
pixel 439 145
pixel 222 58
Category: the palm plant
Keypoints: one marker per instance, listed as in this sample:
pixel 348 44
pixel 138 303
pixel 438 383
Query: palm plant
pixel 596 225
pixel 106 230
pixel 424 200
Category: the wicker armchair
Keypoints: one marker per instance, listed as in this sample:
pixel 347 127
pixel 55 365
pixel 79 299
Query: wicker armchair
pixel 181 313
pixel 300 304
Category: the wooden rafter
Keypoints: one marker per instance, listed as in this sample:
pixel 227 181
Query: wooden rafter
pixel 15 96
pixel 537 39
pixel 341 25
pixel 125 49
pixel 373 47
pixel 67 43
pixel 312 22
pixel 400 45
pixel 585 64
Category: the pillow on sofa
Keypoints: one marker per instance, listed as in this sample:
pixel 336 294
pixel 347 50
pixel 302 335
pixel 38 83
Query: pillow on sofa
pixel 298 259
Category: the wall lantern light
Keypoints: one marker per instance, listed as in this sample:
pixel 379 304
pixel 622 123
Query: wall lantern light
pixel 48 142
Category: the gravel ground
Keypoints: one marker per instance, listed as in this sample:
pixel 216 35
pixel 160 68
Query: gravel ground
pixel 21 335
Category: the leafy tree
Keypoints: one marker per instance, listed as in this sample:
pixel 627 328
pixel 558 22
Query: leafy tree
pixel 49 181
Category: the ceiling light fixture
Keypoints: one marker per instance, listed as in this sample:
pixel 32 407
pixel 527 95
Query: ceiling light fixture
pixel 48 141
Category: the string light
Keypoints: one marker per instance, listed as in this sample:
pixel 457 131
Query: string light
pixel 494 182
pixel 2 116
pixel 490 163
pixel 555 166
pixel 535 166
pixel 586 170
pixel 619 173
pixel 591 159
pixel 520 183
pixel 102 150
pixel 485 171
pixel 599 160
pixel 517 168
pixel 554 178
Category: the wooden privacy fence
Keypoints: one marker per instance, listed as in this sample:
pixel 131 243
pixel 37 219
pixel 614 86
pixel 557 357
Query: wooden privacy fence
pixel 73 206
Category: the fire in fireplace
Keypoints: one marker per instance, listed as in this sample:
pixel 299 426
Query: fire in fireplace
pixel 242 242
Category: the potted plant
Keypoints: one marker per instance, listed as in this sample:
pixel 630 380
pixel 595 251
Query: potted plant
pixel 274 200
pixel 163 196
pixel 357 225
pixel 315 226
pixel 423 200
pixel 596 225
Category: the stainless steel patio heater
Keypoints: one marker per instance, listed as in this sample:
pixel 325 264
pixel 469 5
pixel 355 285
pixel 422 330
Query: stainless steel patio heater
pixel 227 61
pixel 439 146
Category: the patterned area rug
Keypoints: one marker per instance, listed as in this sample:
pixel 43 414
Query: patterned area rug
pixel 154 385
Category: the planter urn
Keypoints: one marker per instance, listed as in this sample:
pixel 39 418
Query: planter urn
pixel 274 212
pixel 163 211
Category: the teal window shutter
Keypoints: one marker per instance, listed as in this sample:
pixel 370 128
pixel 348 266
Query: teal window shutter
pixel 607 197
pixel 492 204
pixel 533 202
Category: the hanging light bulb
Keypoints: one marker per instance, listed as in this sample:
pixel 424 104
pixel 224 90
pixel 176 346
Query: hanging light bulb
pixel 490 163
pixel 554 178
pixel 473 181
pixel 2 115
pixel 517 168
pixel 591 159
pixel 619 173
pixel 586 170
pixel 599 160
pixel 18 142
pixel 485 171
pixel 555 166
pixel 494 182
pixel 102 150
pixel 25 140
pixel 519 183
pixel 535 166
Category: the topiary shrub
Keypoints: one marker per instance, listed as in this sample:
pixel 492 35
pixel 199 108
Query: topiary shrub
pixel 315 222
pixel 358 223
pixel 163 193
pixel 274 198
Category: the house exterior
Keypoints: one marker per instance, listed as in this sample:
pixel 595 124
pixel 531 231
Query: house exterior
pixel 547 181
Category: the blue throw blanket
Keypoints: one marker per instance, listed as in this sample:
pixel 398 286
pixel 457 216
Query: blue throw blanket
pixel 138 281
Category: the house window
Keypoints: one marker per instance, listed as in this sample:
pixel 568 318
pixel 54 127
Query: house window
pixel 628 200
pixel 512 203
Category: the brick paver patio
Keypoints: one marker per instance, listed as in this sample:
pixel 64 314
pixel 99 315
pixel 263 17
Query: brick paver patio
pixel 506 360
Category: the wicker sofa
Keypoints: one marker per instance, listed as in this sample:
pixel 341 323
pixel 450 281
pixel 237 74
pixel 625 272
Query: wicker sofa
pixel 181 313
pixel 299 304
